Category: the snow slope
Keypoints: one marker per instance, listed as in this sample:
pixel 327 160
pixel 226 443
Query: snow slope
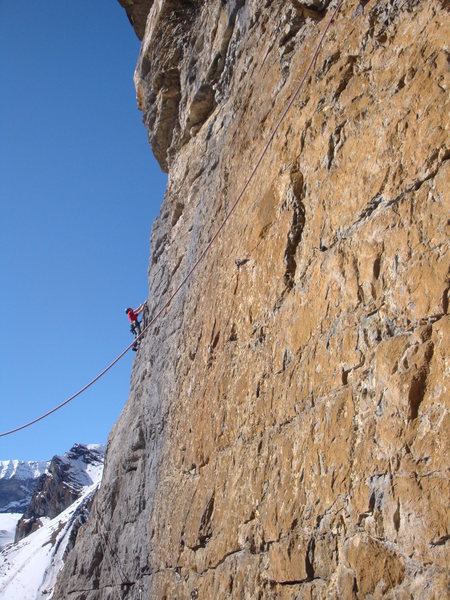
pixel 28 569
pixel 8 522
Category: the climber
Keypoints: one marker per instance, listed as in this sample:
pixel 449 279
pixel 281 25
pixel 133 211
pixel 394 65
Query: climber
pixel 135 324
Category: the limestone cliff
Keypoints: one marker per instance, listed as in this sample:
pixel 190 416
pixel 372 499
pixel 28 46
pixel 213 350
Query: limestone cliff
pixel 287 429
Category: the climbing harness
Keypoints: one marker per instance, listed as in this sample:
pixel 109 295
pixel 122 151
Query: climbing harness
pixel 210 243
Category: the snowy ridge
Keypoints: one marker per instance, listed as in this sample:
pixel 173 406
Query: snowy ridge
pixel 18 479
pixel 22 469
pixel 82 468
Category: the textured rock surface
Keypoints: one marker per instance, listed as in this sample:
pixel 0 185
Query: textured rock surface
pixel 137 11
pixel 287 430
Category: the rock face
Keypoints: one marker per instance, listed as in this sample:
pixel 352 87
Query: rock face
pixel 287 429
pixel 64 482
pixel 137 11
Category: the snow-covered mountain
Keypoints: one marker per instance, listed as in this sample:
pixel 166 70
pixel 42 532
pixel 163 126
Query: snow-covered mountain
pixel 22 469
pixel 63 483
pixel 18 478
pixel 59 506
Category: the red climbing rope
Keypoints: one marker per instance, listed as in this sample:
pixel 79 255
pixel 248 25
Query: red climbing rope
pixel 210 243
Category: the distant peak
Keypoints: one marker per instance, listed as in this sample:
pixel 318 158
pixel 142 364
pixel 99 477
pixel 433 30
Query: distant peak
pixel 22 469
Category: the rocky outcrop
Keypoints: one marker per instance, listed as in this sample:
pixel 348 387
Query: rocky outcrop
pixel 286 434
pixel 137 11
pixel 64 482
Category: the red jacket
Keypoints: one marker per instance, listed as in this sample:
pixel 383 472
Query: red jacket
pixel 132 316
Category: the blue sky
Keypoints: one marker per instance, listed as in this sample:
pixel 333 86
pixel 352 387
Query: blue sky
pixel 79 190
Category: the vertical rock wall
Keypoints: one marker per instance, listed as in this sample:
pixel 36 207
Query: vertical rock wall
pixel 287 430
